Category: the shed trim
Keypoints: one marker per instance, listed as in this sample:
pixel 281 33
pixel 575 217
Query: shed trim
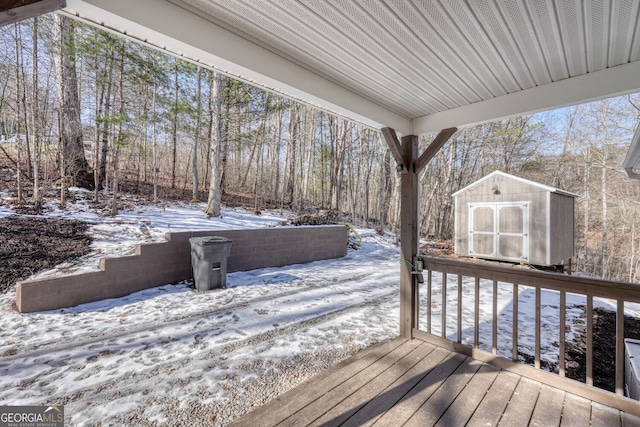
pixel 500 173
pixel 496 233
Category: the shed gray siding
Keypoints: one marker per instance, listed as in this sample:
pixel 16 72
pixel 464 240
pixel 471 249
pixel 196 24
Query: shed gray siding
pixel 550 227
pixel 562 237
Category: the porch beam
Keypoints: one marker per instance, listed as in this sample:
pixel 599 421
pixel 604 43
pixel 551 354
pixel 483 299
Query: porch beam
pixel 433 148
pixel 391 138
pixel 180 30
pixel 15 11
pixel 408 235
pixel 607 83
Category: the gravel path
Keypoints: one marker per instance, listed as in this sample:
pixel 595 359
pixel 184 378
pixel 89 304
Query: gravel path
pixel 173 356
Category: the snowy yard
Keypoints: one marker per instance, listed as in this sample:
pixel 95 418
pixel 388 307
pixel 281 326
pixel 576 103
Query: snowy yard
pixel 170 354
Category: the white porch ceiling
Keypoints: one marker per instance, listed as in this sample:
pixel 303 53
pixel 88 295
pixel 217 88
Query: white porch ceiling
pixel 414 65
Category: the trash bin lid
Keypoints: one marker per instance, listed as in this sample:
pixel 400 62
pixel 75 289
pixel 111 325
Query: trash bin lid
pixel 209 240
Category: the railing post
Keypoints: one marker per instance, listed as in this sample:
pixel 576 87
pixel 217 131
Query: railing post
pixel 589 361
pixel 514 327
pixel 563 332
pixel 620 347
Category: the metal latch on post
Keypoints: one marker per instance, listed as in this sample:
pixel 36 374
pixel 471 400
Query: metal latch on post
pixel 418 267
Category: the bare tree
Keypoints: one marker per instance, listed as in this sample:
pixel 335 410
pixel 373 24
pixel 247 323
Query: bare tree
pixel 76 167
pixel 215 192
pixel 196 140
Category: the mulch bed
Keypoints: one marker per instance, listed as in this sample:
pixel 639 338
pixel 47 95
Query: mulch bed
pixel 30 244
pixel 604 349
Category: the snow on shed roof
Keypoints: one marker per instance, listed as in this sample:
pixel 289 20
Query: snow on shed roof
pixel 517 178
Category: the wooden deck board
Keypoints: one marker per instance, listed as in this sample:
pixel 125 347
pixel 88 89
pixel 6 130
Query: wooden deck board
pixel 353 403
pixel 520 408
pixel 374 409
pixel 414 383
pixel 604 416
pixel 281 407
pixel 576 411
pixel 439 402
pixel 548 410
pixel 412 401
pixel 314 410
pixel 629 420
pixel 493 405
pixel 461 410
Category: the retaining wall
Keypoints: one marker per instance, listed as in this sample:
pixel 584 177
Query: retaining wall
pixel 157 264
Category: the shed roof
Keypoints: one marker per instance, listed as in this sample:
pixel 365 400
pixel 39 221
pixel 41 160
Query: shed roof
pixel 631 162
pixel 413 65
pixel 516 178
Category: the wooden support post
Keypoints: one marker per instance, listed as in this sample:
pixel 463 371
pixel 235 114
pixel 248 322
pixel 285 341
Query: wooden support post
pixel 433 148
pixel 408 235
pixel 406 155
pixel 394 145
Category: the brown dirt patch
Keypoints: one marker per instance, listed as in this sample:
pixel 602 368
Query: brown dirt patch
pixel 604 349
pixel 29 245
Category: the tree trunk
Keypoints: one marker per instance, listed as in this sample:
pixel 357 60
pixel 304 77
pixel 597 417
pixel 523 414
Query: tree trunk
pixel 194 159
pixel 215 191
pixel 35 115
pixel 174 130
pixel 293 135
pixel 278 144
pixel 257 141
pixel 18 106
pixel 25 114
pixel 119 136
pixel 207 163
pixel 225 137
pixel 154 146
pixel 76 168
pixel 585 225
pixel 102 176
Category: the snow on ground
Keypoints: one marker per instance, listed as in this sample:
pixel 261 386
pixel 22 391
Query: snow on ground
pixel 173 344
pixel 170 350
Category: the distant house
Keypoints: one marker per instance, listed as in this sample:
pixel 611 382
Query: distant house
pixel 505 217
pixel 12 139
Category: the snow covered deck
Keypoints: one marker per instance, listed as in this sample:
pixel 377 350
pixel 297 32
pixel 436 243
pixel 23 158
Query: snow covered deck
pixel 415 383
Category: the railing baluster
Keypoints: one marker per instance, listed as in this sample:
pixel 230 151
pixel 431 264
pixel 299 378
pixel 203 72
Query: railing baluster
pixel 494 343
pixel 620 348
pixel 589 340
pixel 563 323
pixel 476 316
pixel 514 332
pixel 590 288
pixel 429 301
pixel 459 308
pixel 444 305
pixel 537 340
pixel 416 306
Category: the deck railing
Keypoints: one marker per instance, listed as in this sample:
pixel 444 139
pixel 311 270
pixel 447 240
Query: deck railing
pixel 464 314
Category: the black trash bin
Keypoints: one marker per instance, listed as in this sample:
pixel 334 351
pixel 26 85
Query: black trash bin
pixel 209 261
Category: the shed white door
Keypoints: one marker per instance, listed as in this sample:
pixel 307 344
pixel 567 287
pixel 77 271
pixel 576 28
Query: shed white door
pixel 499 230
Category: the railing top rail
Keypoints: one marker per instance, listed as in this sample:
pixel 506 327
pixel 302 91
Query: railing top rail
pixel 554 281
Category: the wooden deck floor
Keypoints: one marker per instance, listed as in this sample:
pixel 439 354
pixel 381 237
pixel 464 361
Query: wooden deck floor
pixel 418 384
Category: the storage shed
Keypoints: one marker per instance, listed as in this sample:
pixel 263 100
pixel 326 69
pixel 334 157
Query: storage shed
pixel 505 217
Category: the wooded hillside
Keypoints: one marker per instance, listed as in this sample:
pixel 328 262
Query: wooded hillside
pixel 79 106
